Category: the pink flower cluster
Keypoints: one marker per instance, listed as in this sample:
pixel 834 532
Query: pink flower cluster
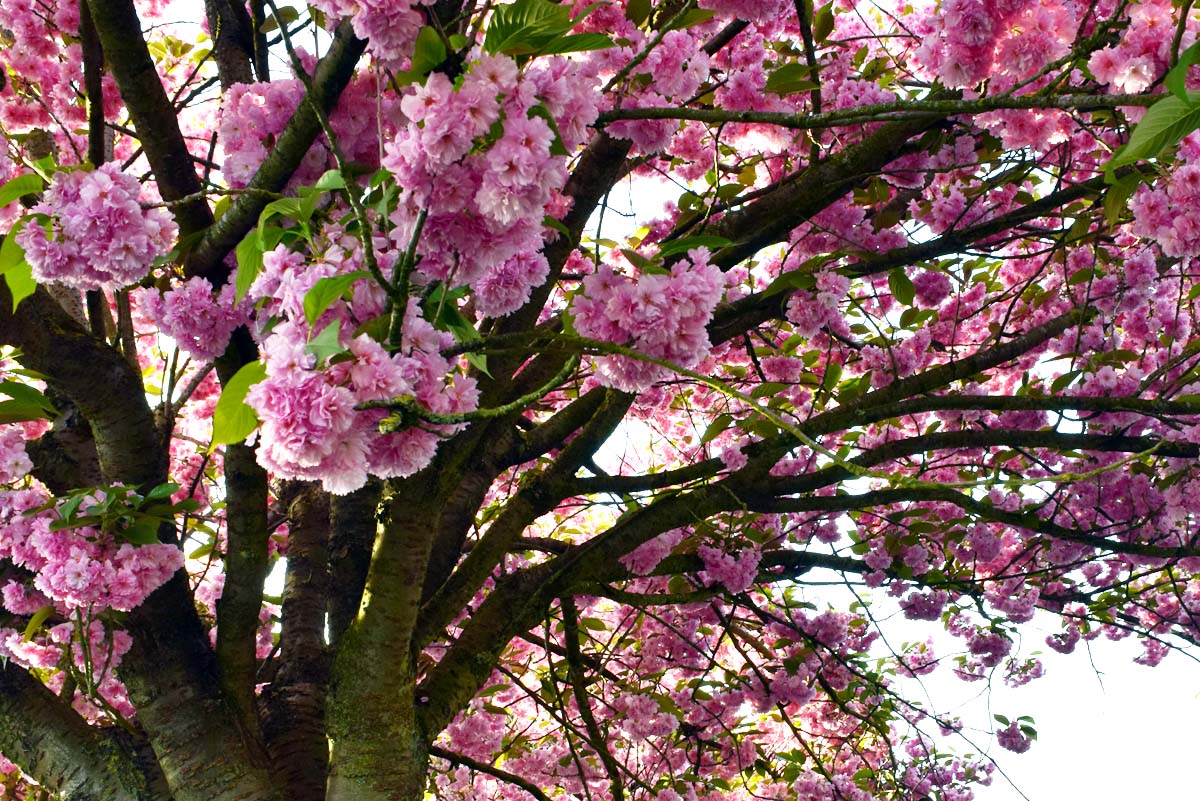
pixel 1143 53
pixel 76 568
pixel 737 573
pixel 199 323
pixel 1013 739
pixel 643 559
pixel 98 236
pixel 14 462
pixel 643 718
pixel 252 115
pixel 105 649
pixel 1169 213
pixel 676 68
pixel 390 28
pixel 663 316
pixel 477 160
pixel 810 311
pixel 310 426
pixel 1012 38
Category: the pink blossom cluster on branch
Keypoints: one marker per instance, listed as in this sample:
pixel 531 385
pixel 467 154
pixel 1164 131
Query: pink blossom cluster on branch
pixel 97 234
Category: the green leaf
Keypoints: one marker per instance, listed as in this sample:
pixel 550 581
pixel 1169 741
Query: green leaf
pixel 901 286
pixel 20 282
pixel 1116 198
pixel 822 24
pixel 636 259
pixel 576 43
pixel 1064 381
pixel 697 16
pixel 202 551
pixel 668 249
pixel 15 411
pixel 1176 80
pixel 520 27
pixel 525 27
pixel 329 181
pixel 141 533
pixel 326 291
pixel 233 420
pixel 35 622
pixel 324 346
pixel 287 13
pixel 637 11
pixel 428 53
pixel 26 184
pixel 790 79
pixel 162 491
pixel 557 148
pixel 293 207
pixel 28 394
pixel 557 225
pixel 719 423
pixel 1165 123
pixel 249 263
pixel 833 374
pixel 11 253
pixel 799 278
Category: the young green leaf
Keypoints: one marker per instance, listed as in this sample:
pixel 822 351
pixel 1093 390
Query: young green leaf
pixel 1176 80
pixel 676 246
pixel 25 184
pixel 20 282
pixel 233 420
pixel 249 254
pixel 901 286
pixel 326 291
pixel 325 345
pixel 1165 123
pixel 36 621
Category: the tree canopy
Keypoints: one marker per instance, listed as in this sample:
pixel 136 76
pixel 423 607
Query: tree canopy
pixel 572 501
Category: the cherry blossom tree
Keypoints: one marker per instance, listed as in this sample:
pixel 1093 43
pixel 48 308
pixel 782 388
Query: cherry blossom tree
pixel 570 506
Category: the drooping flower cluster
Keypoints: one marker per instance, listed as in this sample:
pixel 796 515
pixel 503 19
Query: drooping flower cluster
pixel 663 316
pixel 484 164
pixel 199 323
pixel 310 426
pixel 76 568
pixel 97 236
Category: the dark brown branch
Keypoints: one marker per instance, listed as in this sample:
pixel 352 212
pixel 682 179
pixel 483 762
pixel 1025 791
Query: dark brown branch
pixel 233 40
pixel 352 533
pixel 578 681
pixel 245 560
pixel 538 494
pixel 332 75
pixel 733 319
pixel 295 720
pixel 152 112
pixel 773 216
pixel 490 770
pixel 49 741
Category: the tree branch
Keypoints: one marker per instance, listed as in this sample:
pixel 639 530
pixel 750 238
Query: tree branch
pixel 53 744
pixel 152 112
pixel 332 75
pixel 295 700
pixel 880 112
